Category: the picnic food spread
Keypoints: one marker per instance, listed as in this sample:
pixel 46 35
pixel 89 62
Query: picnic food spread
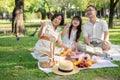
pixel 84 62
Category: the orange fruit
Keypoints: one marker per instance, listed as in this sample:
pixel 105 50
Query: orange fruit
pixel 89 63
pixel 76 63
pixel 64 53
pixel 93 61
pixel 68 49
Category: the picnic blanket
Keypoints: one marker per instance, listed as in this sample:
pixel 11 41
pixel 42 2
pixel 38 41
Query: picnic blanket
pixel 100 64
pixel 114 53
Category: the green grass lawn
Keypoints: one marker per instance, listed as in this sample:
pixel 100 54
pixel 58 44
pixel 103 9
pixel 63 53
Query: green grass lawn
pixel 15 53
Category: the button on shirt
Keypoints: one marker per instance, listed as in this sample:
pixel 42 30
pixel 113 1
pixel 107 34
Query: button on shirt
pixel 95 30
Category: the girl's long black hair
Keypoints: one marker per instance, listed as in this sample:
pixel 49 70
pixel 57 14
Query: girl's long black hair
pixel 78 28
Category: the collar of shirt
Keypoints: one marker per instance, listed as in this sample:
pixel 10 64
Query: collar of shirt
pixel 53 27
pixel 97 20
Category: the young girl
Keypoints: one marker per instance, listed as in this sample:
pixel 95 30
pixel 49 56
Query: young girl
pixel 47 34
pixel 71 33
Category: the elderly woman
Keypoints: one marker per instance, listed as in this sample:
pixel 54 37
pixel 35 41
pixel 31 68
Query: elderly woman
pixel 47 34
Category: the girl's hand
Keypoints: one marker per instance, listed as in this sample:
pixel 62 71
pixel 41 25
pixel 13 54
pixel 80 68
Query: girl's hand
pixel 66 29
pixel 68 25
pixel 73 52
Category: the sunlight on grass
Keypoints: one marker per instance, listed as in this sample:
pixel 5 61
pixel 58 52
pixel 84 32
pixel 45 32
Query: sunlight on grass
pixel 115 33
pixel 8 64
pixel 31 29
pixel 15 53
pixel 5 36
pixel 115 39
pixel 114 30
pixel 7 48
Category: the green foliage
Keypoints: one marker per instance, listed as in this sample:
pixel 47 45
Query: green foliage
pixel 7 5
pixel 80 4
pixel 30 16
pixel 118 5
pixel 34 6
pixel 31 5
pixel 53 5
pixel 42 7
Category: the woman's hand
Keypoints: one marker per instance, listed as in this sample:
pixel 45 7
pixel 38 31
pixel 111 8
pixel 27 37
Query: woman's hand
pixel 43 24
pixel 72 53
pixel 62 45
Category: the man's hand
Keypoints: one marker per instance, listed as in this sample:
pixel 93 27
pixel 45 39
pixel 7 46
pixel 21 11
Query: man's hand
pixel 90 45
pixel 106 45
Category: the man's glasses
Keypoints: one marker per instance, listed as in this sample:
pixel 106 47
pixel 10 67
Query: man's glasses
pixel 89 10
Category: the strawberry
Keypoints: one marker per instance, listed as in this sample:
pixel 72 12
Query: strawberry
pixel 77 59
pixel 85 58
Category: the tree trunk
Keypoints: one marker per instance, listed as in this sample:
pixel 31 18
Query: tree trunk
pixel 64 12
pixel 18 27
pixel 112 7
pixel 117 13
pixel 111 14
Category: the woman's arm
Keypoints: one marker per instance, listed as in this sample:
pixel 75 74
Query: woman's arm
pixel 62 45
pixel 42 30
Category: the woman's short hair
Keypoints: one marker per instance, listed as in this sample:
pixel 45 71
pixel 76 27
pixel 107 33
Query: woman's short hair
pixel 56 15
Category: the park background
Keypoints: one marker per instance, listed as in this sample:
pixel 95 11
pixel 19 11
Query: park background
pixel 16 62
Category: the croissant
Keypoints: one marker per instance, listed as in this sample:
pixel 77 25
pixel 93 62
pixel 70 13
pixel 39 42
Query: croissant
pixel 65 52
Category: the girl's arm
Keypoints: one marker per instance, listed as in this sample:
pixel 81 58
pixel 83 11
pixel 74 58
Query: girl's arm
pixel 66 29
pixel 75 46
